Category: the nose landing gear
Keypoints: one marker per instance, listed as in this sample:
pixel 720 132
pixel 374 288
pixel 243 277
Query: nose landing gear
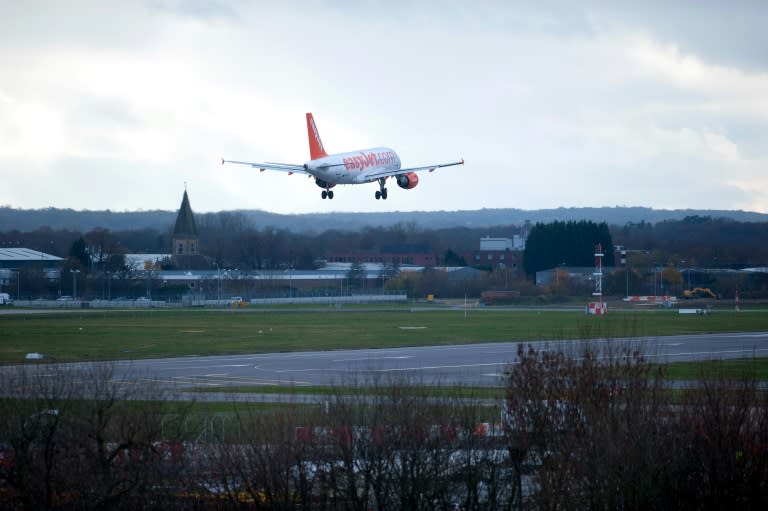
pixel 327 194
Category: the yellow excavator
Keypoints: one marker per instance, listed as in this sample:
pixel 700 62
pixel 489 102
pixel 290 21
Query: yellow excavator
pixel 699 292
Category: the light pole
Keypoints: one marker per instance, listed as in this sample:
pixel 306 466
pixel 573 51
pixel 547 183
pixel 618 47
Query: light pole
pixel 626 269
pixel 661 279
pixel 290 283
pixel 626 276
pixel 218 282
pixel 74 283
pixel 688 271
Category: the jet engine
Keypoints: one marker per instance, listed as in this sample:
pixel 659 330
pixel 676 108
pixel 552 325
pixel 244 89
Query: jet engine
pixel 408 180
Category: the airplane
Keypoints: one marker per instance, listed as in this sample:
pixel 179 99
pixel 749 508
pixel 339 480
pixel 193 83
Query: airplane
pixel 352 168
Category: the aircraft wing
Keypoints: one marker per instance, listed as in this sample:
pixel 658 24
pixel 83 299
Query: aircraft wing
pixel 386 173
pixel 290 168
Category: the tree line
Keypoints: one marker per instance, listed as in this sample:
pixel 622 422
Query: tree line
pixel 567 244
pixel 230 240
pixel 680 250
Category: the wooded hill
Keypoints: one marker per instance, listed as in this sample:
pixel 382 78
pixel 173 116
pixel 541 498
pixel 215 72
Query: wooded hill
pixel 85 220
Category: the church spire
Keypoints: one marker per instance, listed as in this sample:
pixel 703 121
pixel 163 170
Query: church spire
pixel 185 240
pixel 185 221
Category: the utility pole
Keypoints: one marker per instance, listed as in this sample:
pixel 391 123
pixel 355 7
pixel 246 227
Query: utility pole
pixel 74 283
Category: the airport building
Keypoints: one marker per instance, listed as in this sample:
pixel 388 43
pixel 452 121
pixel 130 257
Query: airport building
pixel 15 260
pixel 499 254
pixel 395 255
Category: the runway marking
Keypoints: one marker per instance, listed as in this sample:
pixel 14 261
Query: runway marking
pixel 299 370
pixel 190 367
pixel 225 381
pixel 674 344
pixel 744 335
pixel 700 353
pixel 458 366
pixel 372 358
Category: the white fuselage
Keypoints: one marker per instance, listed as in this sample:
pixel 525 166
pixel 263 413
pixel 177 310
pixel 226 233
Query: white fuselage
pixel 353 167
pixel 376 164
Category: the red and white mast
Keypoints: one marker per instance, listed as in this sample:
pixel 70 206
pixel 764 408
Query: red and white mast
pixel 598 274
pixel 599 308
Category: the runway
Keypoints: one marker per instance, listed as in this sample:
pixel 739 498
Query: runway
pixel 466 364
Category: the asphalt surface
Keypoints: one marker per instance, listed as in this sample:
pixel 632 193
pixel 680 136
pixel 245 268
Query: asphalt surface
pixel 468 364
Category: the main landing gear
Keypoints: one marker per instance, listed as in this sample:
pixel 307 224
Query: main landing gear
pixel 327 194
pixel 382 192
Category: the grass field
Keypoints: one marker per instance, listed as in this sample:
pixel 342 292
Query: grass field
pixel 113 335
pixel 727 369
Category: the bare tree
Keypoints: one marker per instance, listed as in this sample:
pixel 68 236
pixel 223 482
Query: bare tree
pixel 722 453
pixel 77 437
pixel 33 410
pixel 602 433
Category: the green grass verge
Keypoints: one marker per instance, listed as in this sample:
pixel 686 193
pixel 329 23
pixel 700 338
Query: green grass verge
pixel 429 390
pixel 736 369
pixel 168 407
pixel 79 336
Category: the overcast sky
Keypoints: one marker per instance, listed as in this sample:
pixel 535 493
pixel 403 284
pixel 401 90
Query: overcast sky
pixel 116 105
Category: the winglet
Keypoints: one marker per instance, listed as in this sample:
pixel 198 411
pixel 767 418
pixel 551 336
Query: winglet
pixel 222 161
pixel 462 161
pixel 316 149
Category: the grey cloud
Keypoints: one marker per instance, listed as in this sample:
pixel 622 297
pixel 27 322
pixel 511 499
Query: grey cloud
pixel 729 33
pixel 207 10
pixel 104 111
pixel 76 23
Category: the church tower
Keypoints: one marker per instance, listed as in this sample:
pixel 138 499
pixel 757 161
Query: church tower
pixel 185 239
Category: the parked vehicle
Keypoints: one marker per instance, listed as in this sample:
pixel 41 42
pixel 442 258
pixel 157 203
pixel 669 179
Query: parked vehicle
pixel 5 299
pixel 699 292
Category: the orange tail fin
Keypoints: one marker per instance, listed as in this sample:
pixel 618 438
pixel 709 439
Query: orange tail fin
pixel 316 149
